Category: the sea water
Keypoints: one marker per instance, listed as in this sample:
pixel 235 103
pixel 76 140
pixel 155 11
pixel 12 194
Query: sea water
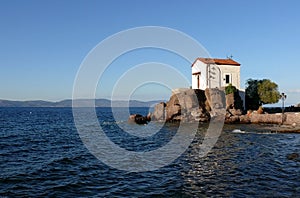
pixel 41 154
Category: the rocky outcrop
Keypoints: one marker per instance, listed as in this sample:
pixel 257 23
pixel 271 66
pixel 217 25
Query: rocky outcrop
pixel 197 105
pixel 234 109
pixel 191 105
pixel 215 101
pixel 234 101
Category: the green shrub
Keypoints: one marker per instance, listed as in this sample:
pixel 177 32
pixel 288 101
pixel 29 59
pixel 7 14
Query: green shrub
pixel 230 89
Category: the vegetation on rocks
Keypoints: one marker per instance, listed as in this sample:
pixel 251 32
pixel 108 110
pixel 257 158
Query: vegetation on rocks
pixel 230 89
pixel 259 92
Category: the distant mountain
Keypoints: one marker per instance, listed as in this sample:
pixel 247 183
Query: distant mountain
pixel 36 103
pixel 79 103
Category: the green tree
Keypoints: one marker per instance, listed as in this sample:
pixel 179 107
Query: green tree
pixel 259 92
pixel 268 92
pixel 251 94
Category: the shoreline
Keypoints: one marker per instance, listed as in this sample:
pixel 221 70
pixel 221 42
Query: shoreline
pixel 186 105
pixel 263 127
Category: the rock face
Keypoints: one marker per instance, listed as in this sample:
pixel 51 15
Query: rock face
pixel 159 112
pixel 234 101
pixel 234 109
pixel 215 101
pixel 190 105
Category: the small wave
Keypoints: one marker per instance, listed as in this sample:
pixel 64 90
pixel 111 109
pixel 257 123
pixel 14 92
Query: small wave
pixel 113 122
pixel 252 132
pixel 238 131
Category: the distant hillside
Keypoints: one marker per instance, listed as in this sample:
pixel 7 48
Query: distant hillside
pixel 80 103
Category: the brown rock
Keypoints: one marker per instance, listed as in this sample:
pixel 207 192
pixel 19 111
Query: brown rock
pixel 230 101
pixel 260 110
pixel 235 112
pixel 232 119
pixel 244 119
pixel 172 111
pixel 216 101
pixel 198 114
pixel 215 98
pixel 159 112
pixel 138 119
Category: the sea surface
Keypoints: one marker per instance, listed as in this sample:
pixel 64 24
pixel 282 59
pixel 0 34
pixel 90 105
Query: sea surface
pixel 42 155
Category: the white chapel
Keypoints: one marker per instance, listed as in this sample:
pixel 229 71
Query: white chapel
pixel 213 72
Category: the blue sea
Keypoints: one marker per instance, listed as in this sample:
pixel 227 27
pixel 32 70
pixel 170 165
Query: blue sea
pixel 42 155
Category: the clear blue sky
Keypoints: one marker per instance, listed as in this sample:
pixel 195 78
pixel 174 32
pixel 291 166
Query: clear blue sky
pixel 43 43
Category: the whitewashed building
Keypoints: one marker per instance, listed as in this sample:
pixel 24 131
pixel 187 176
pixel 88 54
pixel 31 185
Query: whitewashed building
pixel 212 73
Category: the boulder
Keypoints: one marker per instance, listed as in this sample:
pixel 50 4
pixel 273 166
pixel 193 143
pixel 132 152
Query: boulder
pixel 179 104
pixel 234 101
pixel 139 119
pixel 172 110
pixel 184 105
pixel 229 101
pixel 216 101
pixel 199 114
pixel 216 98
pixel 293 156
pixel 187 99
pixel 235 112
pixel 234 109
pixel 232 119
pixel 159 112
pixel 245 119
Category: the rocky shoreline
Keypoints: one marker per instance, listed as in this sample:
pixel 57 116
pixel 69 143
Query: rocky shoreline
pixel 189 105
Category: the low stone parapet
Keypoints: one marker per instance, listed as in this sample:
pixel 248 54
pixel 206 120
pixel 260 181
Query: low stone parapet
pixel 266 118
pixel 292 118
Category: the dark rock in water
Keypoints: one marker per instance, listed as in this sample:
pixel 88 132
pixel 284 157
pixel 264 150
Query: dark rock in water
pixel 293 156
pixel 139 119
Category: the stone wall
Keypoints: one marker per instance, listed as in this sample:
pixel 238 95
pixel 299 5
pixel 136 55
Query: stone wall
pixel 266 118
pixel 292 118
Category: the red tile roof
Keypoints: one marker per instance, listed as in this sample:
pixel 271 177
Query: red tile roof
pixel 217 61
